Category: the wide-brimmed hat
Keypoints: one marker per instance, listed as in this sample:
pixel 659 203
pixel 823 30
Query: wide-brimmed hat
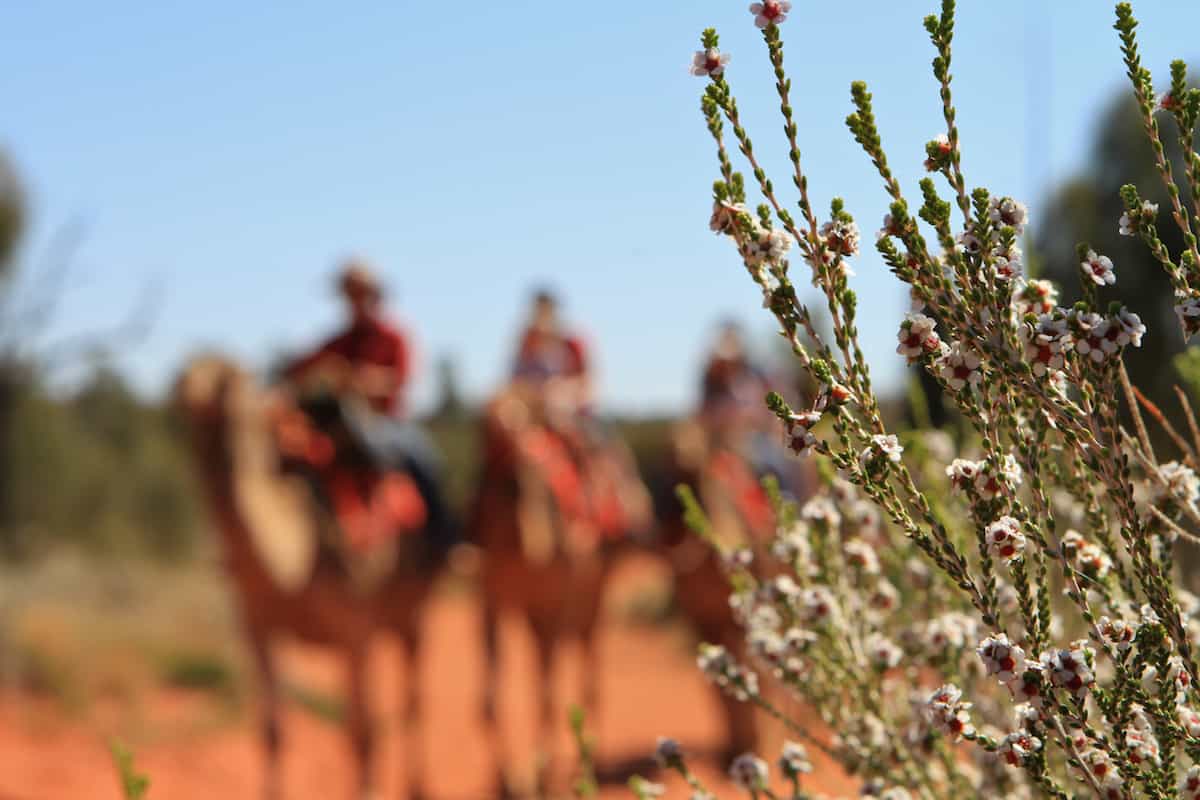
pixel 357 276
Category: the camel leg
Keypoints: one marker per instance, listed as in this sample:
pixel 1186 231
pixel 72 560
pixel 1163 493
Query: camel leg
pixel 410 715
pixel 489 697
pixel 545 632
pixel 362 736
pixel 271 732
pixel 589 667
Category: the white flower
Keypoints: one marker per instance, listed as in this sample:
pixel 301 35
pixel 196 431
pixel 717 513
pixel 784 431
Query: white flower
pixel 1002 658
pixel 724 216
pixel 1181 484
pixel 1005 539
pixel 1008 264
pixel 882 651
pixel 959 367
pixel 917 337
pixel 884 597
pixel 969 243
pixel 861 557
pixel 1140 742
pixel 1016 746
pixel 841 237
pixel 764 246
pixel 1149 680
pixel 1187 308
pixel 1070 669
pixel 1099 765
pixel 1099 269
pixel 1128 328
pixel 950 631
pixel 863 515
pixel 993 480
pixel 1094 336
pixel 962 473
pixel 818 605
pixel 1190 720
pixel 882 446
pixel 1046 343
pixel 792 547
pixel 748 772
pixel 1128 225
pixel 770 12
pixel 947 713
pixel 1093 561
pixel 800 438
pixel 821 510
pixel 719 667
pixel 793 760
pixel 1006 211
pixel 1189 784
pixel 709 62
pixel 1027 688
pixel 1119 633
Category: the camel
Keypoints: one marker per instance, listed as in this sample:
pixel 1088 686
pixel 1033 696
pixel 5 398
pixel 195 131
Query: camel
pixel 312 597
pixel 701 587
pixel 533 566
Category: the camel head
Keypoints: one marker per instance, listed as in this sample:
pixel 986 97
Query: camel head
pixel 207 394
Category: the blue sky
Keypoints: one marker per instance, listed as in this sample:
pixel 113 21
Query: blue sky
pixel 233 152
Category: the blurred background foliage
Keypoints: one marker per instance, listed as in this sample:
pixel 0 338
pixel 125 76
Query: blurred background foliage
pixel 1085 209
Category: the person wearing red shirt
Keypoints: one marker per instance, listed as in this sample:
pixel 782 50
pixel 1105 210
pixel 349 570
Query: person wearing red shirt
pixel 733 410
pixel 367 367
pixel 554 362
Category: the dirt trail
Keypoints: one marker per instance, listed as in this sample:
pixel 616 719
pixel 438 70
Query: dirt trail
pixel 649 687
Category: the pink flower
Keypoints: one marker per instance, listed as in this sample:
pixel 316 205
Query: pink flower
pixel 770 12
pixel 917 337
pixel 709 62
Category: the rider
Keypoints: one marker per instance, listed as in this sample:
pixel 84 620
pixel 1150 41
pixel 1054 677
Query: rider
pixel 553 363
pixel 732 407
pixel 733 387
pixel 371 359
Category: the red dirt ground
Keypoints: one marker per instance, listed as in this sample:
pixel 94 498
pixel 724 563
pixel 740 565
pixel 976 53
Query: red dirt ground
pixel 649 687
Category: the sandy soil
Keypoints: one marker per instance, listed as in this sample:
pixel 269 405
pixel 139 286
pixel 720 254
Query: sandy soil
pixel 192 749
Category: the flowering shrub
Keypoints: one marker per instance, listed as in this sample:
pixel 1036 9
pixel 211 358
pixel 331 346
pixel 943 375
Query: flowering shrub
pixel 1045 648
